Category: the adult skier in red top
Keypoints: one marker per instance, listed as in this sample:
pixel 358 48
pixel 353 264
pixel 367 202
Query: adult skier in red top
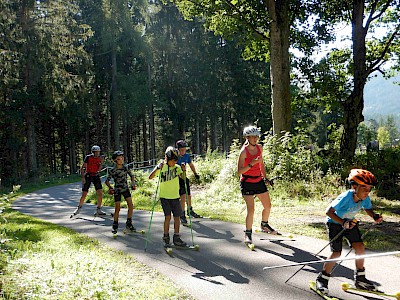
pixel 253 181
pixel 90 171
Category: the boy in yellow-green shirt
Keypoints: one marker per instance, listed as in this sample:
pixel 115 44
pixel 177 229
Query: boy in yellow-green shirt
pixel 169 193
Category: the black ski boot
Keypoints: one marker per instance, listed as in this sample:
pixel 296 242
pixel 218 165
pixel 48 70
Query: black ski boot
pixel 268 229
pixel 178 242
pixel 166 239
pixel 363 283
pixel 247 236
pixel 322 282
pixel 129 225
pixel 115 227
pixel 193 214
pixel 184 220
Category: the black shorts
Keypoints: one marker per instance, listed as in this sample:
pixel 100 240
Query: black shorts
pixel 118 195
pixel 171 205
pixel 182 188
pixel 352 235
pixel 89 179
pixel 249 188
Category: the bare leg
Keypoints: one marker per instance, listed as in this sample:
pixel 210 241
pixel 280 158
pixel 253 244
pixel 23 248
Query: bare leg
pixel 250 210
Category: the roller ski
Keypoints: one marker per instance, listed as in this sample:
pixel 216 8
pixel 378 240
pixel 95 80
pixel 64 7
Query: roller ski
pixel 266 228
pixel 349 287
pixel 247 240
pixel 114 229
pixel 131 229
pixel 362 284
pixel 76 211
pixel 313 287
pixel 179 244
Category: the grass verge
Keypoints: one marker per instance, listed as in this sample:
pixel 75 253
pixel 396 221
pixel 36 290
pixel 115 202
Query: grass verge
pixel 40 260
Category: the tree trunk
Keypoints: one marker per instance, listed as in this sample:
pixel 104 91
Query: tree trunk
pixel 354 104
pixel 151 115
pixel 280 65
pixel 114 101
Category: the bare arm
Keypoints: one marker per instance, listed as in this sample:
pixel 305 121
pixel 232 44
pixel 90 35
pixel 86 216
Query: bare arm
pixel 330 212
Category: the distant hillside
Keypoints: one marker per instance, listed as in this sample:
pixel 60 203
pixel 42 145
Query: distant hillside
pixel 382 97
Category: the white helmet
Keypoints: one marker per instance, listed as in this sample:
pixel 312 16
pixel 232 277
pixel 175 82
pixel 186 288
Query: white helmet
pixel 251 131
pixel 96 148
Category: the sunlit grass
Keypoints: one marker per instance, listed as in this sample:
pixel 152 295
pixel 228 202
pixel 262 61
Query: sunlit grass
pixel 40 260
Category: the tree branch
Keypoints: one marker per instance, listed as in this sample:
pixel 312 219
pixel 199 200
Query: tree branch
pixel 385 50
pixel 371 17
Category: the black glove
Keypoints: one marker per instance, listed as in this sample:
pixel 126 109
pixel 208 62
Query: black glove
pixel 349 224
pixel 197 176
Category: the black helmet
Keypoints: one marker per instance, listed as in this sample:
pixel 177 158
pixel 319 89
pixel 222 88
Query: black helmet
pixel 171 153
pixel 116 154
pixel 181 144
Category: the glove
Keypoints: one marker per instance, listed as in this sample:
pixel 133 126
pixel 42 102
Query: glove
pixel 378 218
pixel 111 191
pixel 197 176
pixel 133 186
pixel 349 224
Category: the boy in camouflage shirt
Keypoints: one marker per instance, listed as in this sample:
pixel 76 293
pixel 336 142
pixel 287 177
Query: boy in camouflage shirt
pixel 119 173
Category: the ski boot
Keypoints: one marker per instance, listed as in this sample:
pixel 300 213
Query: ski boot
pixel 76 211
pixel 247 239
pixel 268 229
pixel 99 212
pixel 363 283
pixel 115 228
pixel 129 225
pixel 193 214
pixel 184 220
pixel 166 239
pixel 178 242
pixel 322 282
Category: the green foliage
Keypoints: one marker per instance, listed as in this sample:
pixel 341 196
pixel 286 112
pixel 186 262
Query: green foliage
pixel 384 164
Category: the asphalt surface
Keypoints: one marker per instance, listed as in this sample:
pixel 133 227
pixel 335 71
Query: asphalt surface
pixel 223 268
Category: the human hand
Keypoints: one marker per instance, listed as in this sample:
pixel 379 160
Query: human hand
pixel 197 176
pixel 111 191
pixel 133 186
pixel 256 160
pixel 183 166
pixel 160 165
pixel 349 224
pixel 378 218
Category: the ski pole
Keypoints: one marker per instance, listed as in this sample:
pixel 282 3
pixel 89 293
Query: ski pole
pixel 187 205
pixel 152 211
pixel 334 260
pixel 330 242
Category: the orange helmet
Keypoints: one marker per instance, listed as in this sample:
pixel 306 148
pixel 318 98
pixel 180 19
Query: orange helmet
pixel 362 177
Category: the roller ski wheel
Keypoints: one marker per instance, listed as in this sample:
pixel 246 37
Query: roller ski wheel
pixel 250 246
pixel 168 249
pixel 349 287
pixel 115 233
pixel 313 287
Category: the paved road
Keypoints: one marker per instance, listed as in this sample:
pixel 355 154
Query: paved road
pixel 224 268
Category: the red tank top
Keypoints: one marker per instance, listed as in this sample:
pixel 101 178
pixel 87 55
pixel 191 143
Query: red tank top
pixel 254 173
pixel 93 164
